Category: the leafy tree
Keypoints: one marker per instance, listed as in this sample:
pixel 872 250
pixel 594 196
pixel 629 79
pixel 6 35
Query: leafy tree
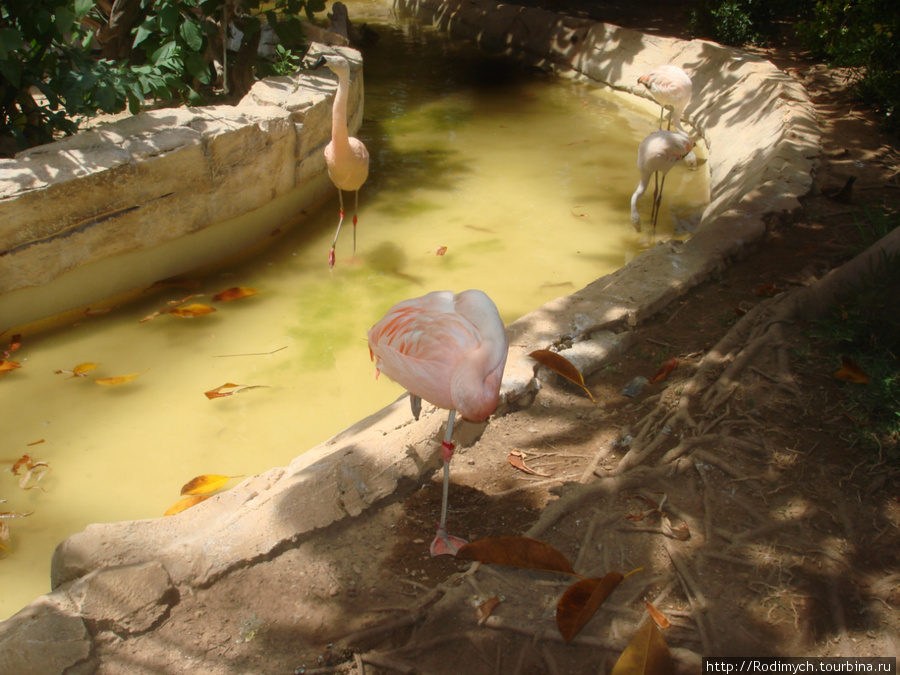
pixel 162 49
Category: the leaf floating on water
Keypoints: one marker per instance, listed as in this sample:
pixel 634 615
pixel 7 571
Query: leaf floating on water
pixel 646 654
pixel 440 250
pixel 517 459
pixel 664 371
pixel 81 370
pixel 33 470
pixel 115 381
pixel 484 610
pixel 186 503
pixel 208 482
pixel 192 310
pixel 6 366
pixel 851 372
pixel 14 343
pixel 657 616
pixel 561 365
pixel 234 293
pixel 517 552
pixel 221 390
pixel 36 442
pixel 581 601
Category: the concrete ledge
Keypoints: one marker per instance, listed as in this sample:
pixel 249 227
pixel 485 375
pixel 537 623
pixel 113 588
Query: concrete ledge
pixel 763 143
pixel 147 180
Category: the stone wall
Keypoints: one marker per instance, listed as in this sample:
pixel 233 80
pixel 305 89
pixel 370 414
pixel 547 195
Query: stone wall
pixel 143 181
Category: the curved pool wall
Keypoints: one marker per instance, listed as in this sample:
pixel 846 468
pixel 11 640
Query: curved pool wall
pixel 120 206
pixel 763 143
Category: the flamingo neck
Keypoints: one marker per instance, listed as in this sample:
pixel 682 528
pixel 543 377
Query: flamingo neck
pixel 339 133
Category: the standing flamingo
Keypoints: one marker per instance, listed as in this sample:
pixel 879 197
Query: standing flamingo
pixel 449 350
pixel 346 157
pixel 671 87
pixel 656 155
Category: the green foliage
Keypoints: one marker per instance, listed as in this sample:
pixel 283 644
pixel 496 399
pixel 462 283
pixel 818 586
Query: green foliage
pixel 736 22
pixel 866 327
pixel 170 52
pixel 861 35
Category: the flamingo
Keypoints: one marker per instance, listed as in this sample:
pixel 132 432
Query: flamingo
pixel 345 156
pixel 449 350
pixel 657 154
pixel 671 87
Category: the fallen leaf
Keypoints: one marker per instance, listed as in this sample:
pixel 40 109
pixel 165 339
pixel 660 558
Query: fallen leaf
pixel 81 370
pixel 191 311
pixel 851 372
pixel 6 366
pixel 186 503
pixel 14 343
pixel 234 293
pixel 220 391
pixel 33 470
pixel 579 603
pixel 562 366
pixel 517 459
pixel 201 485
pixel 646 654
pixel 657 616
pixel 483 611
pixel 664 371
pixel 25 460
pixel 35 442
pixel 517 552
pixel 113 381
pixel 440 250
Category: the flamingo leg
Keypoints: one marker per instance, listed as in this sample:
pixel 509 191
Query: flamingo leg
pixel 355 209
pixel 415 404
pixel 445 544
pixel 657 201
pixel 662 110
pixel 340 222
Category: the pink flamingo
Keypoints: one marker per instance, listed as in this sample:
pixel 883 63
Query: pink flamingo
pixel 449 350
pixel 346 157
pixel 671 87
pixel 656 155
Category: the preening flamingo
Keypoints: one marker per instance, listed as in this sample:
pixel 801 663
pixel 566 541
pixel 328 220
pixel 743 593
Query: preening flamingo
pixel 449 350
pixel 346 157
pixel 671 87
pixel 656 155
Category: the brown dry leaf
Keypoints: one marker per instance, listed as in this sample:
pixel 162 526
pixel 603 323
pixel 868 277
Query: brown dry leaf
pixel 517 552
pixel 664 371
pixel 208 482
pixel 657 616
pixel 6 366
pixel 484 610
pixel 646 654
pixel 191 311
pixel 562 366
pixel 186 503
pixel 851 372
pixel 579 603
pixel 234 293
pixel 114 381
pixel 222 390
pixel 517 459
pixel 25 460
pixel 440 250
pixel 14 343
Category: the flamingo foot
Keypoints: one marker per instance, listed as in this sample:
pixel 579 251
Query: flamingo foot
pixel 331 258
pixel 446 544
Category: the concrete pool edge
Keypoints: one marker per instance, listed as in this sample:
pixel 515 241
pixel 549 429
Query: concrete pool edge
pixel 361 466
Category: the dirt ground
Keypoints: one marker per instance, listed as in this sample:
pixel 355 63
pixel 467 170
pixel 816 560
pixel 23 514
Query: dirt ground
pixel 793 531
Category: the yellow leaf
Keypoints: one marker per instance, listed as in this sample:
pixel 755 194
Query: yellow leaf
pixel 209 482
pixel 83 368
pixel 186 503
pixel 6 366
pixel 657 616
pixel 646 654
pixel 234 293
pixel 223 390
pixel 113 381
pixel 562 366
pixel 192 310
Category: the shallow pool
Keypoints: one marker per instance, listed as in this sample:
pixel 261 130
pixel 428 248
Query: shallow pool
pixel 520 179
